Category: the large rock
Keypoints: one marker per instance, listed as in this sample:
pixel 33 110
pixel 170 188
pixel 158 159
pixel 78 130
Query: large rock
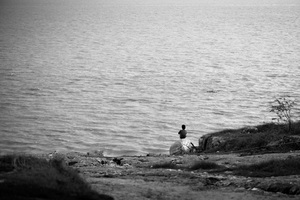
pixel 209 141
pixel 182 146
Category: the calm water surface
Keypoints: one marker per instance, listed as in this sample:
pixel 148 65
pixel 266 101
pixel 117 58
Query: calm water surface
pixel 123 75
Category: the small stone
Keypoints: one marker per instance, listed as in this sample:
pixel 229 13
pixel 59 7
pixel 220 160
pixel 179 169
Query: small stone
pixel 294 190
pixel 126 165
pixel 239 189
pixel 143 160
pixel 97 153
pixel 227 183
pixel 118 161
pixel 72 162
pixel 256 189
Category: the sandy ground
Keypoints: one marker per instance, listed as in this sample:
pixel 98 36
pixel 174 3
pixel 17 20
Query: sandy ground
pixel 135 178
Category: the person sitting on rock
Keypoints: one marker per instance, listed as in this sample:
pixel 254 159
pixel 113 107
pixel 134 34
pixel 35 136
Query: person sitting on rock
pixel 184 145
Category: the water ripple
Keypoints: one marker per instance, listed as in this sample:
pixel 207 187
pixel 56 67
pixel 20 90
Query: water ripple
pixel 123 78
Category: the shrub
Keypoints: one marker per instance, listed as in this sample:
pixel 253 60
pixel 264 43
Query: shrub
pixel 282 107
pixel 204 165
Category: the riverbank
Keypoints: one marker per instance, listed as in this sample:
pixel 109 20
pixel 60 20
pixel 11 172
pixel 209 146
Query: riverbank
pixel 206 176
pixel 209 176
pixel 269 137
pixel 229 170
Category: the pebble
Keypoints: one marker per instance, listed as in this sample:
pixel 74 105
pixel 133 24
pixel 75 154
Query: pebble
pixel 72 162
pixel 240 189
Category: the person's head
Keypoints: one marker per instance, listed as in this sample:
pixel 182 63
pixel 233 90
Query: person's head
pixel 183 127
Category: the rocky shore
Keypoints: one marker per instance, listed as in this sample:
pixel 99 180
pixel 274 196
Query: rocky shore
pixel 255 139
pixel 172 177
pixel 189 176
pixel 261 162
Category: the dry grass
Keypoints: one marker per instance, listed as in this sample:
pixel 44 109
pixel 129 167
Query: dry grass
pixel 206 165
pixel 196 165
pixel 284 167
pixel 270 168
pixel 165 165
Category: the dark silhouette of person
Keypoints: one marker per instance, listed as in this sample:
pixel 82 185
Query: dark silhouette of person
pixel 182 133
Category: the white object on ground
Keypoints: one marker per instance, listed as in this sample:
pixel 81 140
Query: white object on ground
pixel 181 146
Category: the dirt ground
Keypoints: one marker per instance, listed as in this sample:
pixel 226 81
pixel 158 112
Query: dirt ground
pixel 135 177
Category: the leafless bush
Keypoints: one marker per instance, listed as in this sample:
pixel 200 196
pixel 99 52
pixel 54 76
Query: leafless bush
pixel 282 107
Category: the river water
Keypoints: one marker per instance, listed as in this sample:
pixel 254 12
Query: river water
pixel 122 76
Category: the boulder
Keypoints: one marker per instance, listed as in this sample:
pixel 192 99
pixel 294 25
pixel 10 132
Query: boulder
pixel 203 141
pixel 181 147
pixel 209 141
pixel 216 142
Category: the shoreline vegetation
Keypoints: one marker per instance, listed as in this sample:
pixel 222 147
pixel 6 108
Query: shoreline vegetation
pixel 233 164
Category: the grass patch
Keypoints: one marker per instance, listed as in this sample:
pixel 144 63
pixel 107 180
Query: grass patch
pixel 269 168
pixel 26 176
pixel 295 128
pixel 204 165
pixel 165 165
pixel 249 141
